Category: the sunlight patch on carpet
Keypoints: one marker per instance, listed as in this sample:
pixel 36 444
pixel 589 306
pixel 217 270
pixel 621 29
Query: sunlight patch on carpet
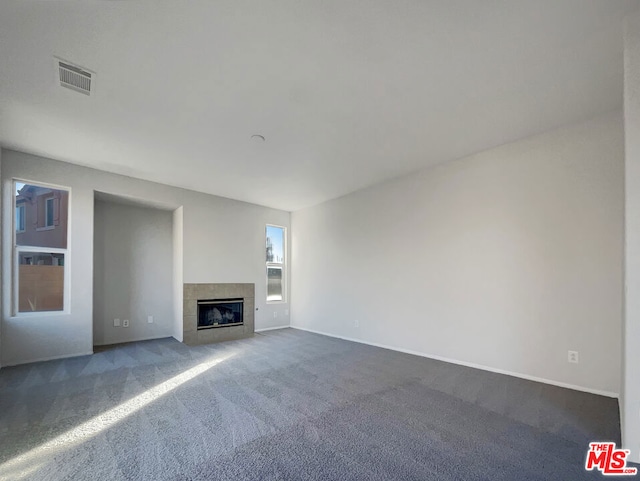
pixel 22 465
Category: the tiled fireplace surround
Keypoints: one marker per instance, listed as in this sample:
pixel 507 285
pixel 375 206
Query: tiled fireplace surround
pixel 193 292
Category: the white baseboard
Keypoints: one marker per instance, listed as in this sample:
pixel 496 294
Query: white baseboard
pixel 137 339
pixel 43 359
pixel 272 328
pixel 470 364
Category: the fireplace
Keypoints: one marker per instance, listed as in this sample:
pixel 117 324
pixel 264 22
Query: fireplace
pixel 234 306
pixel 215 313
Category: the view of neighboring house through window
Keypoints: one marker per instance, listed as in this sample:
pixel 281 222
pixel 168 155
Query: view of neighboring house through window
pixel 40 245
pixel 275 263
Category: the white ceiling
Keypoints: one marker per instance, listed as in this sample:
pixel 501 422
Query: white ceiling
pixel 347 93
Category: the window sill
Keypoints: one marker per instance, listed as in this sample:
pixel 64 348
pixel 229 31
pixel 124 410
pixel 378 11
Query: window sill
pixel 49 227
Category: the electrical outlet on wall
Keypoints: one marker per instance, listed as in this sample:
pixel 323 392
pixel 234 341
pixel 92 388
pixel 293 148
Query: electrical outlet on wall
pixel 356 323
pixel 275 314
pixel 150 319
pixel 286 312
pixel 572 357
pixel 116 323
pixel 125 323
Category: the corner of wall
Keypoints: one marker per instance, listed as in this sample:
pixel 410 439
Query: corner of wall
pixel 178 271
pixel 1 289
pixel 630 401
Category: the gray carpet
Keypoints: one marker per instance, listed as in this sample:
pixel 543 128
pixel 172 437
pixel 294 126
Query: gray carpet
pixel 288 405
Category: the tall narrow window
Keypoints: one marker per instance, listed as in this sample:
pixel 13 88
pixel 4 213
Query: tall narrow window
pixel 40 246
pixel 275 260
pixel 48 216
pixel 20 220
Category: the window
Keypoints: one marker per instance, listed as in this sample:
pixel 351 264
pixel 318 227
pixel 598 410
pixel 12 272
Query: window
pixel 275 262
pixel 40 247
pixel 20 221
pixel 48 216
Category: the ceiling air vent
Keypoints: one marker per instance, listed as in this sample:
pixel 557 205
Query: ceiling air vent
pixel 74 78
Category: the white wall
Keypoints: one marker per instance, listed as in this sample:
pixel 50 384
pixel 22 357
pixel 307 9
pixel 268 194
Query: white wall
pixel 132 272
pixel 505 259
pixel 223 242
pixel 178 269
pixel 630 406
pixel 1 268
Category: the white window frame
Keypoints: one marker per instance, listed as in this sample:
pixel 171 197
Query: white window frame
pixel 66 295
pixel 282 265
pixel 22 216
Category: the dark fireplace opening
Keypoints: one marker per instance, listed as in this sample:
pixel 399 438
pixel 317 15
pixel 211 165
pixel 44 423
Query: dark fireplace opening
pixel 214 313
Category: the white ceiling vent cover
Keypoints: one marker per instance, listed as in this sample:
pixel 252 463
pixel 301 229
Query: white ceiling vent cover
pixel 75 78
